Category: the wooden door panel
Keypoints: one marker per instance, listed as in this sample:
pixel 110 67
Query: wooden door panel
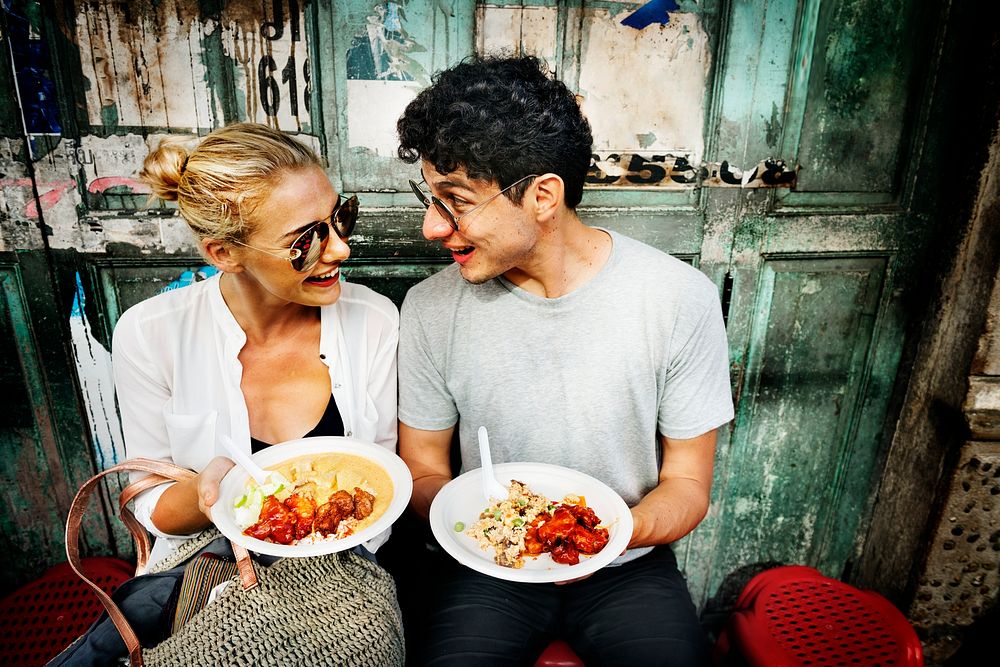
pixel 44 450
pixel 30 519
pixel 126 282
pixel 859 96
pixel 791 457
pixel 753 72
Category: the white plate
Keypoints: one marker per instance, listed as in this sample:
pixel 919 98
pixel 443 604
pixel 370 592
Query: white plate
pixel 234 485
pixel 461 500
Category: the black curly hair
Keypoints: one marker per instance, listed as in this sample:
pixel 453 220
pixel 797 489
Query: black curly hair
pixel 501 119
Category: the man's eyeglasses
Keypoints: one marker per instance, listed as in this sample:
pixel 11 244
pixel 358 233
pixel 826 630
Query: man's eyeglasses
pixel 305 251
pixel 427 199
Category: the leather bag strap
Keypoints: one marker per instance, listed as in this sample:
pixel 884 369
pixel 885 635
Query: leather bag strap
pixel 160 472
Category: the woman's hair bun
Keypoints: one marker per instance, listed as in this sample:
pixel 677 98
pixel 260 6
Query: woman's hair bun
pixel 164 166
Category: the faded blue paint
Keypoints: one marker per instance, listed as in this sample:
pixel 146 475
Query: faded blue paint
pixel 30 53
pixel 188 277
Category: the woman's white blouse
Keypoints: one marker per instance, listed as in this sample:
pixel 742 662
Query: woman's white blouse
pixel 177 377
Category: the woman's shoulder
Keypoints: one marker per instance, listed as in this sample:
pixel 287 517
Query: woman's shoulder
pixel 355 298
pixel 166 310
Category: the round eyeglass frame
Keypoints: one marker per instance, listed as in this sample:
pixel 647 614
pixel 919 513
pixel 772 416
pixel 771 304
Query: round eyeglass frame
pixel 427 199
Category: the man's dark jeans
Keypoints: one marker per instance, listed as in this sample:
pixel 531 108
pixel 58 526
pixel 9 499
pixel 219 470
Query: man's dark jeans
pixel 639 613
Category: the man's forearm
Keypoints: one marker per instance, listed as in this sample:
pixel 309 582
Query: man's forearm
pixel 424 490
pixel 668 512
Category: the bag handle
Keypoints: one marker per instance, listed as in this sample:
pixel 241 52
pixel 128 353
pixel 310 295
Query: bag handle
pixel 160 472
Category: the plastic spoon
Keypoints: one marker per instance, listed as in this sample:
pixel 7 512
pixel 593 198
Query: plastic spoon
pixel 491 487
pixel 243 459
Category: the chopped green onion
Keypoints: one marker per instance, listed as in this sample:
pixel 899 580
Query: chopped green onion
pixel 280 487
pixel 497 514
pixel 241 502
pixel 518 522
pixel 459 526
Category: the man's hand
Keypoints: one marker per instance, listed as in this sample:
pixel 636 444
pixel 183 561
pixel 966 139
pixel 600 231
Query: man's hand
pixel 680 500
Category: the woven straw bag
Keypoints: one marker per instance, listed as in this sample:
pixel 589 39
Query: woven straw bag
pixel 337 609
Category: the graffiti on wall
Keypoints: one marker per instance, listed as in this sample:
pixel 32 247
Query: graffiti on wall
pixel 676 171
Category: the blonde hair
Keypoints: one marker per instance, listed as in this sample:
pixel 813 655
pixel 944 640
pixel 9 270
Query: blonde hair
pixel 220 182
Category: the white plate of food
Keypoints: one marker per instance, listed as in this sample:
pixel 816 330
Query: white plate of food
pixel 275 519
pixel 481 534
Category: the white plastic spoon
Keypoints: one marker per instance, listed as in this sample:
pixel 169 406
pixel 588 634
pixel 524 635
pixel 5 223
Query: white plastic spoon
pixel 243 459
pixel 491 487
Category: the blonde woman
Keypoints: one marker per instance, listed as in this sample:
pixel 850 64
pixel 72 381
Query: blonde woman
pixel 268 350
pixel 275 347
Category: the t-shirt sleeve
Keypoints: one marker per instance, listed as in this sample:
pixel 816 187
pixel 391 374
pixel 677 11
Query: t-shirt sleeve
pixel 424 399
pixel 697 396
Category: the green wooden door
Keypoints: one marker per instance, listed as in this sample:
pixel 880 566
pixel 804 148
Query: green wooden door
pixel 774 144
pixel 818 273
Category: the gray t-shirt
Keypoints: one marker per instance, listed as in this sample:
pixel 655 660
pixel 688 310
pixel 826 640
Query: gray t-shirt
pixel 585 380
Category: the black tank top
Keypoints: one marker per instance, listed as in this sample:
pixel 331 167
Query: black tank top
pixel 331 423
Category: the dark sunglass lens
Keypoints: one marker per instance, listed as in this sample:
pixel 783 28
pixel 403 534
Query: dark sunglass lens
pixel 346 217
pixel 310 247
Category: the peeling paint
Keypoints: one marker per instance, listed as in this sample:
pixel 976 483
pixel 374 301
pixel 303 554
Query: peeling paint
pixel 811 286
pixel 645 82
pixel 93 367
pixel 148 68
pixel 383 51
pixel 371 125
pixel 646 140
pixel 772 127
pixel 520 30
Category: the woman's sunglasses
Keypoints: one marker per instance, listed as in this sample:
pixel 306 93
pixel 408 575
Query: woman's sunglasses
pixel 305 251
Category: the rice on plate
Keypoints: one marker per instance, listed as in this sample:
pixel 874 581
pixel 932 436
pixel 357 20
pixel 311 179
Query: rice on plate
pixel 529 524
pixel 504 524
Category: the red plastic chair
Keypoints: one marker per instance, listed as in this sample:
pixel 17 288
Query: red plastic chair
pixel 41 618
pixel 794 616
pixel 558 654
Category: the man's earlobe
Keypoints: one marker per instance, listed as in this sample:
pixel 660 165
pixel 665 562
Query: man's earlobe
pixel 548 196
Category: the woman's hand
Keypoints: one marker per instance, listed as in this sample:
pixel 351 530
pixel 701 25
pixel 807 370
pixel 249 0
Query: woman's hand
pixel 208 483
pixel 185 507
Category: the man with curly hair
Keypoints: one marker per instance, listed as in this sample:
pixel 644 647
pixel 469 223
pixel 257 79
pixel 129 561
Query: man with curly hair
pixel 574 345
